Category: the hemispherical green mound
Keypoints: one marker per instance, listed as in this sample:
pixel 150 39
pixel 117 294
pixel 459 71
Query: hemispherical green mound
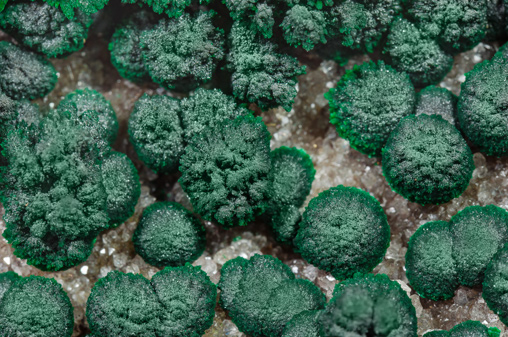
pixel 125 46
pixel 261 73
pixel 430 266
pixel 368 103
pixel 369 305
pixel 467 328
pixel 293 174
pixel 481 111
pixel 262 294
pixel 344 231
pixel 169 235
pixel 427 161
pixel 123 305
pixel 494 289
pixel 53 193
pixel 304 26
pixel 156 133
pixel 35 306
pixel 182 53
pixel 178 302
pixel 305 324
pixel 437 101
pixel 45 28
pixel 188 299
pixel 207 109
pixel 6 281
pixel 78 103
pixel 24 74
pixel 410 50
pixel 478 233
pixel 361 24
pixel 458 25
pixel 226 171
pixel 121 181
pixel 70 7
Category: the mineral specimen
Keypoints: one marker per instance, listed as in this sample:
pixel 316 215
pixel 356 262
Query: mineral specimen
pixel 177 302
pixel 169 235
pixel 427 161
pixel 262 294
pixel 368 103
pixel 344 231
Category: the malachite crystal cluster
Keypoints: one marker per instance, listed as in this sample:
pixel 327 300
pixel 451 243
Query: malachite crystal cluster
pixel 443 255
pixel 218 63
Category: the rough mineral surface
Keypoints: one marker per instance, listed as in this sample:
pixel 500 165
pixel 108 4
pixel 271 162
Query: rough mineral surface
pixel 305 126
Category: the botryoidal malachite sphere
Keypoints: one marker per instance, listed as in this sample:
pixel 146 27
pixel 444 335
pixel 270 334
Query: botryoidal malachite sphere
pixel 262 295
pixel 226 171
pixel 344 231
pixel 160 127
pixel 427 161
pixel 495 292
pixel 24 74
pixel 482 109
pixel 44 28
pixel 34 306
pixel 182 53
pixel 410 50
pixel 466 329
pixel 169 235
pixel 305 324
pixel 293 174
pixel 177 302
pixel 441 255
pixel 368 103
pixel 369 305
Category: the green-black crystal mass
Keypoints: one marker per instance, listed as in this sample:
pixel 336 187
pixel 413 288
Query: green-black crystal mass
pixel 430 267
pixel 172 8
pixel 156 133
pixel 261 74
pixel 121 182
pixel 177 302
pixel 125 46
pixel 437 101
pixel 368 103
pixel 359 24
pixel 24 74
pixel 466 329
pixel 169 235
pixel 344 231
pixel 262 295
pixel 35 306
pixel 441 256
pixel 293 174
pixel 206 109
pixel 53 194
pixel 369 305
pixel 226 171
pixel 182 53
pixel 304 26
pixel 482 110
pixel 45 28
pixel 427 161
pixel 495 290
pixel 305 324
pixel 410 50
pixel 458 25
pixel 79 103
